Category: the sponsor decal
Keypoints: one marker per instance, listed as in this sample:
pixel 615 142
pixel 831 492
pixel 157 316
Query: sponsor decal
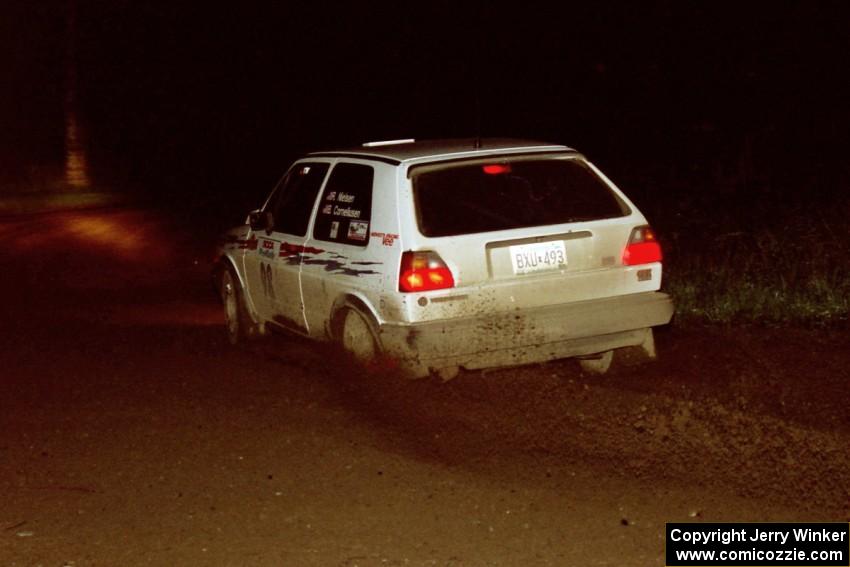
pixel 233 241
pixel 346 212
pixel 334 230
pixel 250 244
pixel 267 279
pixel 358 230
pixel 387 239
pixel 267 249
pixel 287 249
pixel 343 268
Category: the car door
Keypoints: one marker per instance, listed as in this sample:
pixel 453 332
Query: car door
pixel 259 254
pixel 340 258
pixel 279 250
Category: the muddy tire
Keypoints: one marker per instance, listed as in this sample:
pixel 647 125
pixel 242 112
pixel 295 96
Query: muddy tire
pixel 648 345
pixel 446 373
pixel 238 324
pixel 639 354
pixel 597 363
pixel 357 335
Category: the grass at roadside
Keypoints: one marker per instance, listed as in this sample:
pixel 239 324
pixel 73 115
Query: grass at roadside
pixel 785 264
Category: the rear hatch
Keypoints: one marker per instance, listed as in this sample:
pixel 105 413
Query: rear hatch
pixel 522 232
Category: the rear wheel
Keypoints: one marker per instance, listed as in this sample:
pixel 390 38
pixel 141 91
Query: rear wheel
pixel 648 344
pixel 597 363
pixel 446 373
pixel 358 336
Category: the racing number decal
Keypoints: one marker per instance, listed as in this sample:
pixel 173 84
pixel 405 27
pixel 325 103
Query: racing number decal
pixel 268 280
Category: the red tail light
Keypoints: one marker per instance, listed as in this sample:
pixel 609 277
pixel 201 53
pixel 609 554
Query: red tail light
pixel 643 247
pixel 423 271
pixel 496 168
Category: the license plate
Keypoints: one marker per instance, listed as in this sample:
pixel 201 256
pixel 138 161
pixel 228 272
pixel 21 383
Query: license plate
pixel 538 257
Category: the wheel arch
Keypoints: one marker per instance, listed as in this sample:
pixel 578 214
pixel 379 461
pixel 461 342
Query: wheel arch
pixel 226 262
pixel 342 302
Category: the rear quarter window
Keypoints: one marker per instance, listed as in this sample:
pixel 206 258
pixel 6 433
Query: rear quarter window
pixel 345 209
pixel 485 196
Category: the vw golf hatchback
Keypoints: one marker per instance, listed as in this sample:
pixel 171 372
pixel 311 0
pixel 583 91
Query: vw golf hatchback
pixel 448 254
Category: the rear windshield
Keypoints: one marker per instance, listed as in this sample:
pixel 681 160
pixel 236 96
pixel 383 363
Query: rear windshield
pixel 484 196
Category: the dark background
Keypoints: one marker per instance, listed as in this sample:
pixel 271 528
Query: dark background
pixel 208 103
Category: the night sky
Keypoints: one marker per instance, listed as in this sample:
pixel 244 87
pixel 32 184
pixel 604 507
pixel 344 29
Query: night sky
pixel 200 99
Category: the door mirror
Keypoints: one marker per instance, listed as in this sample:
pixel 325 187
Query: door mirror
pixel 261 220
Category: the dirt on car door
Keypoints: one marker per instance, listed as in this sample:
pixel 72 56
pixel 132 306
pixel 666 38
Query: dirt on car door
pixel 291 212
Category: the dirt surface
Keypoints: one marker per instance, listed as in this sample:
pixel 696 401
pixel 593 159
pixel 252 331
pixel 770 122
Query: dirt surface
pixel 132 434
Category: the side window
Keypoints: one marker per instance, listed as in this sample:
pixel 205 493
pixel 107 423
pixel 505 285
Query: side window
pixel 295 196
pixel 346 205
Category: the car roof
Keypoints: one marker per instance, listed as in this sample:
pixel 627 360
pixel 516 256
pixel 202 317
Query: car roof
pixel 397 152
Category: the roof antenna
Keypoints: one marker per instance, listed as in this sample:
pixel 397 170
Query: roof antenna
pixel 476 77
pixel 477 143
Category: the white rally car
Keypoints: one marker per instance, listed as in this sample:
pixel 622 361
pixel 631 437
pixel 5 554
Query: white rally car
pixel 448 254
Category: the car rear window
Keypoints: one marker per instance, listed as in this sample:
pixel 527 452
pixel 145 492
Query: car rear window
pixel 484 196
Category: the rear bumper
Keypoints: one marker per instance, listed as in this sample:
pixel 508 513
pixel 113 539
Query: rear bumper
pixel 522 337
